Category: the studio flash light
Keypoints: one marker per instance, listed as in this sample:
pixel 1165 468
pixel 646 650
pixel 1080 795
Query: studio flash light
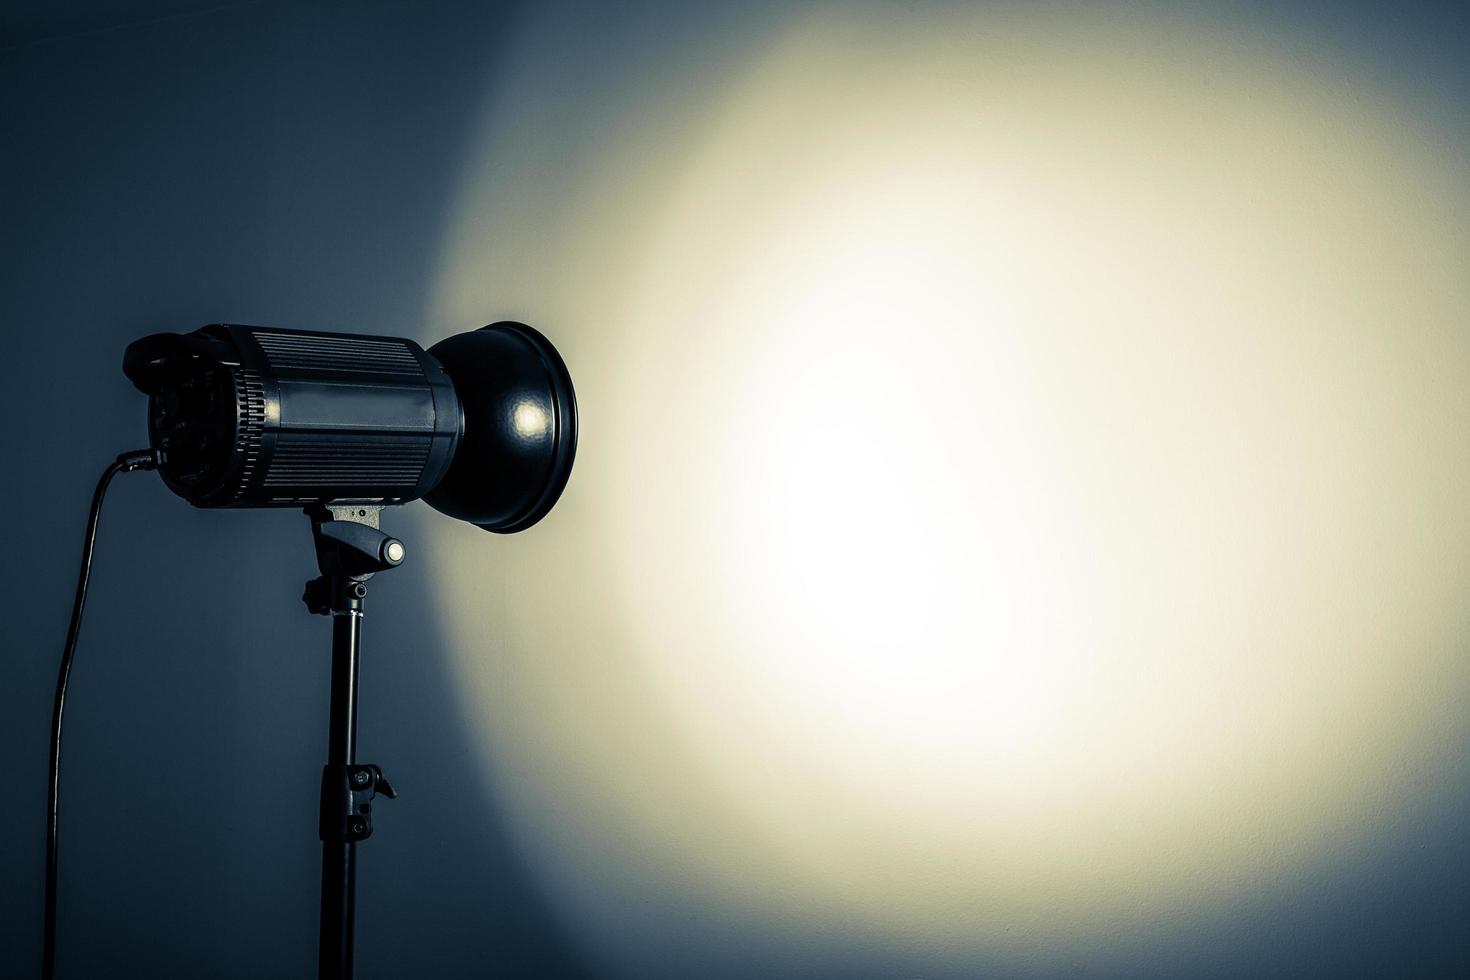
pixel 482 426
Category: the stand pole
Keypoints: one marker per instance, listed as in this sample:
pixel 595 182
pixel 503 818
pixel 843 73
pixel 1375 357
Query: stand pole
pixel 350 549
pixel 339 858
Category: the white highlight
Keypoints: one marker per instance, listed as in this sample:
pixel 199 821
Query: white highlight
pixel 530 419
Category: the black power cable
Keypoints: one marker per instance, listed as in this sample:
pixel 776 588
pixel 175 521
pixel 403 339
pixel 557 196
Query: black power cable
pixel 144 459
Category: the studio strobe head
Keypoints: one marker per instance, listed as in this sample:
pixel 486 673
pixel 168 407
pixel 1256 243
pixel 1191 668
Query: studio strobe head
pixel 482 426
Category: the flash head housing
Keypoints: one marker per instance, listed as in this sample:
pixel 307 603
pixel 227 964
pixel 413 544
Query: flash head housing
pixel 482 426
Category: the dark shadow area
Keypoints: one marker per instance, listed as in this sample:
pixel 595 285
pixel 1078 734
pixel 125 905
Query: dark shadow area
pixel 29 21
pixel 283 164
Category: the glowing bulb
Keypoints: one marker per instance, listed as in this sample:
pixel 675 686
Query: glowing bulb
pixel 531 420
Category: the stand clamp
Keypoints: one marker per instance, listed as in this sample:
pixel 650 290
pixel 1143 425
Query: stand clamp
pixel 350 549
pixel 346 801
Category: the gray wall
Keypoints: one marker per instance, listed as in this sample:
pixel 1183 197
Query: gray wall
pixel 296 164
pixel 266 163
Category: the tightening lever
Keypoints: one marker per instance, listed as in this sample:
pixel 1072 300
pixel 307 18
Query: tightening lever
pixel 346 802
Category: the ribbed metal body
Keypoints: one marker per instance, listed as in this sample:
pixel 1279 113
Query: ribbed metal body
pixel 256 417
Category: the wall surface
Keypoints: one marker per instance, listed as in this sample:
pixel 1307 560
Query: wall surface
pixel 266 163
pixel 1018 529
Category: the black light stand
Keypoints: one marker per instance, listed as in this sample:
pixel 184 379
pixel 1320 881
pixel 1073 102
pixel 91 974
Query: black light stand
pixel 350 549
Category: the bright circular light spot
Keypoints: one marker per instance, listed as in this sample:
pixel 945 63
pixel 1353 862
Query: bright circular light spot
pixel 1021 496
